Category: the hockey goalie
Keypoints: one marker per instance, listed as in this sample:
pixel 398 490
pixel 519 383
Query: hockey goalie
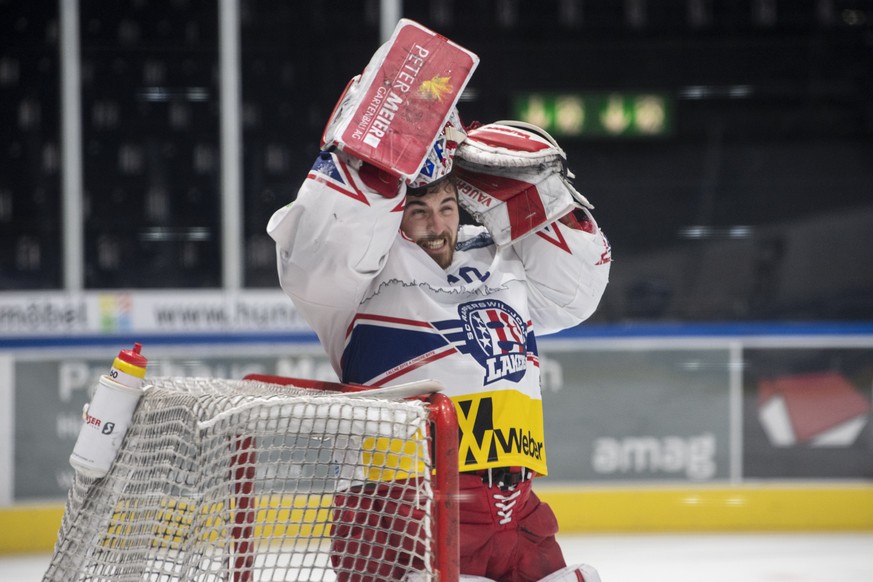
pixel 373 255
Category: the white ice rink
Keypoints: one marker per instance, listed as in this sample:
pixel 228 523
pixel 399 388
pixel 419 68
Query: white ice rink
pixel 838 557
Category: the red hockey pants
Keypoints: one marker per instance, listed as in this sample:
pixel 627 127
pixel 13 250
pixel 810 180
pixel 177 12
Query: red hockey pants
pixel 506 535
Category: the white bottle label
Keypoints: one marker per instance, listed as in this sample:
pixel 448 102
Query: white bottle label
pixel 106 422
pixel 124 378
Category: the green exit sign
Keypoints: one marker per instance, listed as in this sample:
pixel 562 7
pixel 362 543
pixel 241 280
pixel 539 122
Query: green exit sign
pixel 604 114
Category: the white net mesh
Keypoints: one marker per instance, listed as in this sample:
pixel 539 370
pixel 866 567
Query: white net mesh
pixel 242 480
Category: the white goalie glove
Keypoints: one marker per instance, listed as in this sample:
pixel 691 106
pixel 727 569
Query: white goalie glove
pixel 513 179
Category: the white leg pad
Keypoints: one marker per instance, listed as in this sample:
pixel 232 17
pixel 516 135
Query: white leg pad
pixel 574 573
pixel 468 578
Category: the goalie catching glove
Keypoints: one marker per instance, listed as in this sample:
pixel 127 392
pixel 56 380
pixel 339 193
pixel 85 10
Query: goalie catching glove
pixel 513 179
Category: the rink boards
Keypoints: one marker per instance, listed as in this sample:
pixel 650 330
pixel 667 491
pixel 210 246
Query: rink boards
pixel 746 427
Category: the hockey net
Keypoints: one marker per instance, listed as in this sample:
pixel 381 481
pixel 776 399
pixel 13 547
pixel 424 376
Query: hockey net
pixel 253 480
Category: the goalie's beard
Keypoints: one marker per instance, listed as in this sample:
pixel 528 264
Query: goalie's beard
pixel 444 253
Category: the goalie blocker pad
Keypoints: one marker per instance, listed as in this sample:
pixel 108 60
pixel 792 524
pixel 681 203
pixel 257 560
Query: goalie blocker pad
pixel 513 179
pixel 391 114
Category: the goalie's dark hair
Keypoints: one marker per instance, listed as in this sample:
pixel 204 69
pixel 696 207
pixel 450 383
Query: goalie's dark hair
pixel 433 186
pixel 464 216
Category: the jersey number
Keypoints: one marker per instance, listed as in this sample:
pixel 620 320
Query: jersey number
pixel 469 274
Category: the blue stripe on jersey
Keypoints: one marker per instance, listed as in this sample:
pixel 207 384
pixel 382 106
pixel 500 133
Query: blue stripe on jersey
pixel 453 331
pixel 532 343
pixel 373 350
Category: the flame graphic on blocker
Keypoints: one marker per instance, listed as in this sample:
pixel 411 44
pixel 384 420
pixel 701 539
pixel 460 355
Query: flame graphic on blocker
pixel 820 409
pixel 436 88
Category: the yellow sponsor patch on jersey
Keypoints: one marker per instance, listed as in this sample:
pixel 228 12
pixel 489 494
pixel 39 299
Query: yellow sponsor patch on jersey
pixel 500 429
pixel 503 428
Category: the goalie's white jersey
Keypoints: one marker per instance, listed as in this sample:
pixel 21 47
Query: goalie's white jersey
pixel 386 313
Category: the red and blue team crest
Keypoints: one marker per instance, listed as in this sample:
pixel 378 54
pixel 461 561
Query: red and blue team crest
pixel 496 337
pixel 330 171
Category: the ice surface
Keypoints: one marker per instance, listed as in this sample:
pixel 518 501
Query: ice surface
pixel 820 557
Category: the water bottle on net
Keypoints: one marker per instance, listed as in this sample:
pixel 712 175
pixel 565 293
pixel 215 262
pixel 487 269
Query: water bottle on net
pixel 108 416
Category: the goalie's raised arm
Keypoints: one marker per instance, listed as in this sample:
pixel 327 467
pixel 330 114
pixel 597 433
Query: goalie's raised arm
pixel 333 239
pixel 395 126
pixel 513 178
pixel 567 266
pixel 346 216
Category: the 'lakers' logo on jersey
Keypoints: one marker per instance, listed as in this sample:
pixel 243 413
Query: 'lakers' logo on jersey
pixel 496 337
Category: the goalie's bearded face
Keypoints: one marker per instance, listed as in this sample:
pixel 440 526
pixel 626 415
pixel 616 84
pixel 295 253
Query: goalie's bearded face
pixel 431 221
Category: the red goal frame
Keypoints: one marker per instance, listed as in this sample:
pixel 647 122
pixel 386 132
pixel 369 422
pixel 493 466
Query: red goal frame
pixel 444 438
